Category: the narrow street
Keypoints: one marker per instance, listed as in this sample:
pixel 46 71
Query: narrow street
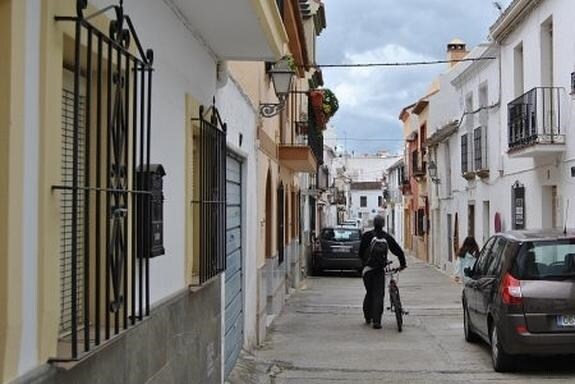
pixel 320 338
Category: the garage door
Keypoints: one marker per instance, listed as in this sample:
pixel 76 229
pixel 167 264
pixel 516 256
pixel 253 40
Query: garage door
pixel 234 296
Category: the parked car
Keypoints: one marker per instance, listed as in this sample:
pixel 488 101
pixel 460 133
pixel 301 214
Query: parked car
pixel 520 296
pixel 337 248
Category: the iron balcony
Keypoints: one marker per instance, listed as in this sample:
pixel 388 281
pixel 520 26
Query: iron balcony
pixel 535 123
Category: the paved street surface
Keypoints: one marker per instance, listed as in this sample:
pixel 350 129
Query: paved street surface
pixel 320 337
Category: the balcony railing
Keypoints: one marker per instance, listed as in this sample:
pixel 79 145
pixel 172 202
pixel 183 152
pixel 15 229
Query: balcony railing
pixel 535 118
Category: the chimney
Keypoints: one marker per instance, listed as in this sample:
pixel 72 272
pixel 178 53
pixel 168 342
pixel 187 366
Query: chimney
pixel 456 50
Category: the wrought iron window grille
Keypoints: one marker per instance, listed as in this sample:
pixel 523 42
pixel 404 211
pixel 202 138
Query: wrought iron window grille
pixel 212 192
pixel 108 207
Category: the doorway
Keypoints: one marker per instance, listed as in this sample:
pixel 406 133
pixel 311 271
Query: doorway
pixel 486 215
pixel 549 203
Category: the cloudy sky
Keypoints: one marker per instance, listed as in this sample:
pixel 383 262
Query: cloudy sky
pixel 367 31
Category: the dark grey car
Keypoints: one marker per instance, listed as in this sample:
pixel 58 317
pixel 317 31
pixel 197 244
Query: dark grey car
pixel 520 295
pixel 338 249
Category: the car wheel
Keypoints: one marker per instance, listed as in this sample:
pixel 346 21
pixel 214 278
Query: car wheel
pixel 502 361
pixel 470 336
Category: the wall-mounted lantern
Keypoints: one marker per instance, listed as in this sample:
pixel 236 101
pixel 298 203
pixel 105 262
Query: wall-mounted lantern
pixel 432 171
pixel 282 75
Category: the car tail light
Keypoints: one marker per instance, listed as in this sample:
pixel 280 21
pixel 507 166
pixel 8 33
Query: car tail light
pixel 521 329
pixel 511 290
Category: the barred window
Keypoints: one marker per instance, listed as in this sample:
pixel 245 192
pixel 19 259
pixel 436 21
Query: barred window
pixel 209 193
pixel 465 153
pixel 478 148
pixel 105 121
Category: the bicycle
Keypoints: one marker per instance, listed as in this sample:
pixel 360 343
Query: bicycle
pixel 394 299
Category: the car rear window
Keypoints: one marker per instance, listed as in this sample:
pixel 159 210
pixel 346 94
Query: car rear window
pixel 541 260
pixel 340 234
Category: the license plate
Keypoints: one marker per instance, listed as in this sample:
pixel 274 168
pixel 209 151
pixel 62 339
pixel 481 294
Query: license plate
pixel 566 320
pixel 342 250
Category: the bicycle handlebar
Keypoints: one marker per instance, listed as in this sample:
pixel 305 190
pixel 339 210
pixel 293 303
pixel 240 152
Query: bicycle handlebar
pixel 392 270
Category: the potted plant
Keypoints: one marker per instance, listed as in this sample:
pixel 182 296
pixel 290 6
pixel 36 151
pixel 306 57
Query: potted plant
pixel 330 103
pixel 324 105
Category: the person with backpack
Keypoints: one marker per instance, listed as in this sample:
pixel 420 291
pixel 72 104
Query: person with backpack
pixel 373 250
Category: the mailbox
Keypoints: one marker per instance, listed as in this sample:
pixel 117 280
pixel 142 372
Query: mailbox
pixel 152 219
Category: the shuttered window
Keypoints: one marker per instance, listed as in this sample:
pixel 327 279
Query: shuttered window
pixel 66 231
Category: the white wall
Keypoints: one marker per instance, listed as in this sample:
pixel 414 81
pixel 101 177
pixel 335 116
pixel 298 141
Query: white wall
pixel 534 174
pixel 367 168
pixel 182 65
pixel 372 208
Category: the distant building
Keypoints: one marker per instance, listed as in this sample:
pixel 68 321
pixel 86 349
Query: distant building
pixel 366 201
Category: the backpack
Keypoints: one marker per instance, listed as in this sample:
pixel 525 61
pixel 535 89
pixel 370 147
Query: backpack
pixel 377 253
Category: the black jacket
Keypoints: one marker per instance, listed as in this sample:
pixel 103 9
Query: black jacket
pixel 393 246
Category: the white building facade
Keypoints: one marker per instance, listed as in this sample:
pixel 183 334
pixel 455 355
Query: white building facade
pixel 505 156
pixel 393 200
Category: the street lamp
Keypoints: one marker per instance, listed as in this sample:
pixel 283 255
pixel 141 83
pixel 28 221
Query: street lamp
pixel 432 170
pixel 282 76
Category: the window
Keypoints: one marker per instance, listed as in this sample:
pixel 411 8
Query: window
pixel 106 239
pixel 471 220
pixel 547 53
pixel 339 234
pixel 478 145
pixel 380 201
pixel 469 115
pixel 553 259
pixel 464 154
pixel 499 251
pixel 209 194
pixel 518 75
pixel 420 224
pixel 484 258
pixel 363 201
pixel 415 168
pixel 447 153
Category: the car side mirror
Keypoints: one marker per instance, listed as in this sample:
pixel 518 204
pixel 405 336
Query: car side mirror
pixel 468 272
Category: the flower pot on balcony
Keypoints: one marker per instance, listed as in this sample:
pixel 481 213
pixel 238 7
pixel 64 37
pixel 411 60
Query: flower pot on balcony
pixel 316 99
pixel 320 118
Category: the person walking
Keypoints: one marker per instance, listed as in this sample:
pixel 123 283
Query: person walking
pixel 373 253
pixel 466 257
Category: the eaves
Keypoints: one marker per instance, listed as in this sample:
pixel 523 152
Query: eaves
pixel 477 66
pixel 513 15
pixel 443 133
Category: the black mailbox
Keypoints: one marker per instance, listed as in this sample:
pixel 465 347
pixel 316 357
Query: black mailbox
pixel 152 219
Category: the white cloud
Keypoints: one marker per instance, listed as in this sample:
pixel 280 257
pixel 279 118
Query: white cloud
pixel 367 31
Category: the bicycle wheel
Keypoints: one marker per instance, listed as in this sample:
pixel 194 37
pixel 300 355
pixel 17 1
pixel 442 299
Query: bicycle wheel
pixel 396 305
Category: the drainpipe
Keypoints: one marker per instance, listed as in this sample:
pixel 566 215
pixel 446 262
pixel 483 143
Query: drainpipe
pixel 501 165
